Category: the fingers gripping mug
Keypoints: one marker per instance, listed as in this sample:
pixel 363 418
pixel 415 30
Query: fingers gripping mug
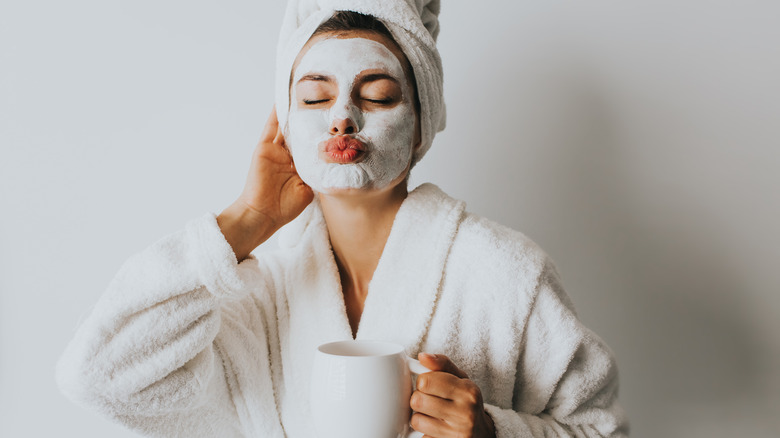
pixel 361 389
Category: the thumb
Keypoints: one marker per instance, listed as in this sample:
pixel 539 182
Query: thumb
pixel 440 362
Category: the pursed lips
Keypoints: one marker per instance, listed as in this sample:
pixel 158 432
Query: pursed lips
pixel 342 149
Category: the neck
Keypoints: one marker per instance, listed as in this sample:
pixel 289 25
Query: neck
pixel 359 224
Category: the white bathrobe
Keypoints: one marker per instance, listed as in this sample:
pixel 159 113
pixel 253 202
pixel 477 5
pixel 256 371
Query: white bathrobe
pixel 188 343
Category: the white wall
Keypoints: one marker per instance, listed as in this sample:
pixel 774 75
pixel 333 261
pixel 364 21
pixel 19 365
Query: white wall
pixel 635 141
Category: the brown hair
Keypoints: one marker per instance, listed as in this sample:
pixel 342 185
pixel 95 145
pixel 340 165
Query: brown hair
pixel 343 21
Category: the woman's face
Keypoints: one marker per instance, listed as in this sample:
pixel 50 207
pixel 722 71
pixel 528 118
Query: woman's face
pixel 352 122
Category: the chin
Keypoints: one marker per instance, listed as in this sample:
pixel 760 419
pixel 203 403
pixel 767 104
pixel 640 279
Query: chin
pixel 340 177
pixel 331 177
pixel 353 178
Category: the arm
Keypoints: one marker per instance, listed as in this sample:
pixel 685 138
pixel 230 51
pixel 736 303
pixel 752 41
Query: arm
pixel 147 349
pixel 566 383
pixel 567 380
pixel 149 354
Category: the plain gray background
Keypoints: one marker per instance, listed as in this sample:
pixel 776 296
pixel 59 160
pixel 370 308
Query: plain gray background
pixel 637 142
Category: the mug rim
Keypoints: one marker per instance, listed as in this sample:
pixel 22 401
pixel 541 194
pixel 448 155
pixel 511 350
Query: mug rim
pixel 383 348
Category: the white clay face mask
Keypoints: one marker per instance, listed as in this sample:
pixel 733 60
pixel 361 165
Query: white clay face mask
pixel 334 79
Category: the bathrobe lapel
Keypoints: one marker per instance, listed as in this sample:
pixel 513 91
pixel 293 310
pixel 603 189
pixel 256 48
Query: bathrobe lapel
pixel 401 298
pixel 321 302
pixel 405 286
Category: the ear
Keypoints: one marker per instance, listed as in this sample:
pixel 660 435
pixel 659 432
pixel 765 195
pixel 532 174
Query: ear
pixel 417 140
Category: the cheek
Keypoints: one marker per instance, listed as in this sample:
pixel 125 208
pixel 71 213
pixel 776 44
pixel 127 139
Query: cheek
pixel 306 126
pixel 398 122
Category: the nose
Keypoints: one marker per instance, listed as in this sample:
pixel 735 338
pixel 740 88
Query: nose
pixel 342 126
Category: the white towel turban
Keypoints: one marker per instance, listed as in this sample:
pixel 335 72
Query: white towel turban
pixel 414 25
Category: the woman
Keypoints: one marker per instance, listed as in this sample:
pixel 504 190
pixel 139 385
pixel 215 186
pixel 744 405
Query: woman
pixel 197 337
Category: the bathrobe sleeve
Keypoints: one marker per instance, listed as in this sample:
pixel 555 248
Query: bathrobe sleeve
pixel 566 382
pixel 149 355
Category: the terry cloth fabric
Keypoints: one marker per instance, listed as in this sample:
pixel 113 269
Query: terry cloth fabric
pixel 414 25
pixel 188 343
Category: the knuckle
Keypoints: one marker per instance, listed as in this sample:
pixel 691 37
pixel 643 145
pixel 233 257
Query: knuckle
pixel 422 383
pixel 472 394
pixel 416 421
pixel 416 401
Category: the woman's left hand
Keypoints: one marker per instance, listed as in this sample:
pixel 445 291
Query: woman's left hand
pixel 447 403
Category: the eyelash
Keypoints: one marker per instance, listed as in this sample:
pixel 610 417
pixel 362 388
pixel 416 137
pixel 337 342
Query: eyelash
pixel 376 101
pixel 380 101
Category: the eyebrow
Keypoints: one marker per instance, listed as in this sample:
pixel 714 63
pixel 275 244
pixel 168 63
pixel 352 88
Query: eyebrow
pixel 367 78
pixel 377 76
pixel 314 77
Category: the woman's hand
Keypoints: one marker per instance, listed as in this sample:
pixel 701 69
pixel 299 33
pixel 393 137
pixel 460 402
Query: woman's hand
pixel 273 195
pixel 447 403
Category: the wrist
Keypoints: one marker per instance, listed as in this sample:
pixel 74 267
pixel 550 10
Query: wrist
pixel 244 228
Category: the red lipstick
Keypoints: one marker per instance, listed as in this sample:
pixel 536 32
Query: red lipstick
pixel 343 149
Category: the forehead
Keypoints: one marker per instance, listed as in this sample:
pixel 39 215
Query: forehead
pixel 347 57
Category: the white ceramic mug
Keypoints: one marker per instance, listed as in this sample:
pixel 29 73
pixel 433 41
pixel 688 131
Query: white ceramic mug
pixel 361 389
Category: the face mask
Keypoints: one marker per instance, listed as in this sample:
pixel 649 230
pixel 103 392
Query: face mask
pixel 380 147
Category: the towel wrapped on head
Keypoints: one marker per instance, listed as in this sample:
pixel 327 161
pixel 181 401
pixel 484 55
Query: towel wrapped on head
pixel 414 25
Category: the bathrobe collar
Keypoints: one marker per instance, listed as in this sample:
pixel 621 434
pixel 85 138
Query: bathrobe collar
pixel 405 287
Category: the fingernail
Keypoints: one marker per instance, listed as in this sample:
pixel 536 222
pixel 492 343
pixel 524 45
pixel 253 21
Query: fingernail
pixel 428 355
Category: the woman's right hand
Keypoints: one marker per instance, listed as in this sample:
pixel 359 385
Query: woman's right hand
pixel 273 195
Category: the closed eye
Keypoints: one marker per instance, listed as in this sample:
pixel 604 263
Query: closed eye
pixel 314 102
pixel 380 101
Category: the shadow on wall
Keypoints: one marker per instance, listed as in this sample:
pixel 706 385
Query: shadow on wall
pixel 647 268
pixel 690 360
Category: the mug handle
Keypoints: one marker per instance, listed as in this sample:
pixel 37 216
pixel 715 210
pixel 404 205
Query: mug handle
pixel 416 368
